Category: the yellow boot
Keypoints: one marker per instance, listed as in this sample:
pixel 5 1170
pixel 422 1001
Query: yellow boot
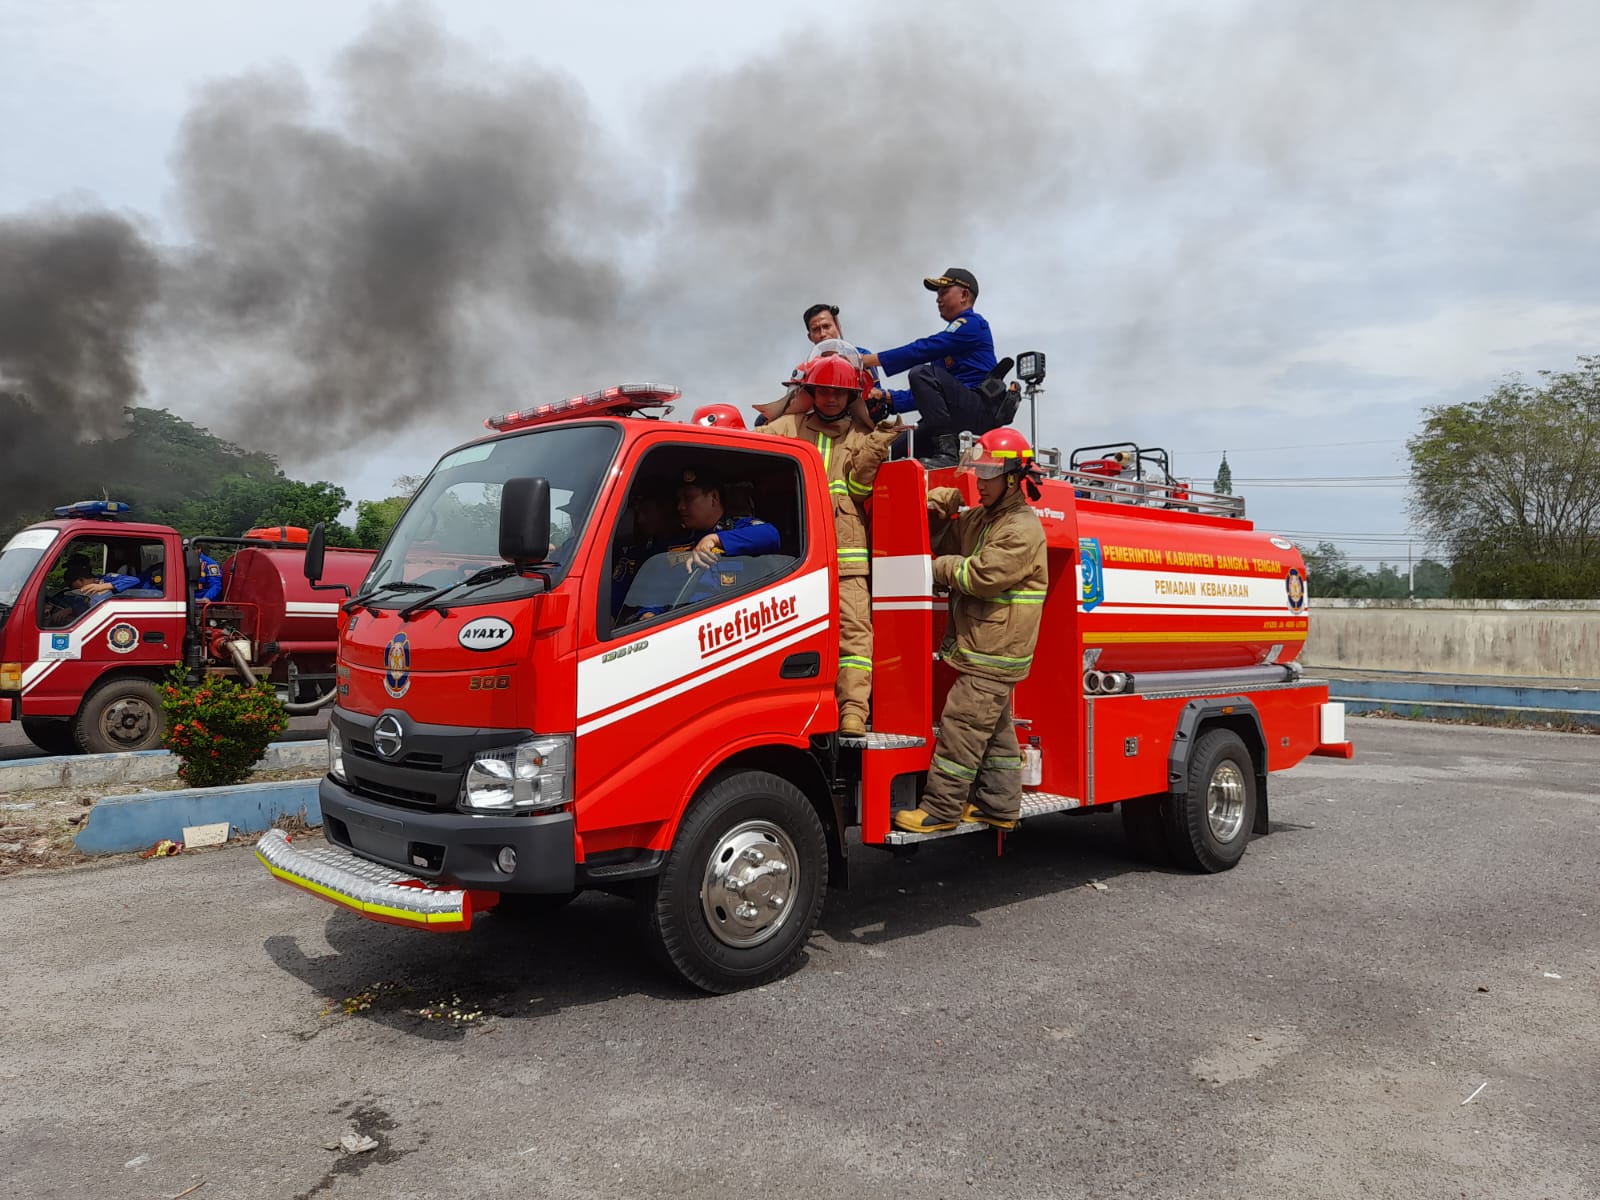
pixel 919 820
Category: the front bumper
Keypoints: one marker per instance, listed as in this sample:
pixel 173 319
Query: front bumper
pixel 376 892
pixel 450 848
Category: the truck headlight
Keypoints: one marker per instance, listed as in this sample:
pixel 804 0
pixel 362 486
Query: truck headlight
pixel 335 753
pixel 522 778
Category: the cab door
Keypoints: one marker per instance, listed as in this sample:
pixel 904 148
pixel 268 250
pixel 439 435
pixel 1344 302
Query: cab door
pixel 680 667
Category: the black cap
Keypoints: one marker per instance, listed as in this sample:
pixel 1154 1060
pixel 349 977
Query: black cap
pixel 953 275
pixel 77 568
pixel 818 308
pixel 703 478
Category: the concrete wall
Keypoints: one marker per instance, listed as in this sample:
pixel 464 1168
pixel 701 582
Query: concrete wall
pixel 1533 639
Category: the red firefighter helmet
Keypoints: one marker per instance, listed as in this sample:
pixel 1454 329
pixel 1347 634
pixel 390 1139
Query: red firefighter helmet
pixel 723 416
pixel 832 371
pixel 1001 451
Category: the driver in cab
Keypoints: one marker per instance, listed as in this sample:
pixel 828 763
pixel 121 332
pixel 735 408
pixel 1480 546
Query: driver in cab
pixel 707 552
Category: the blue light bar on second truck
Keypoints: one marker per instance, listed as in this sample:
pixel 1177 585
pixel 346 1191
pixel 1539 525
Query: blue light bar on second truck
pixel 93 508
pixel 628 396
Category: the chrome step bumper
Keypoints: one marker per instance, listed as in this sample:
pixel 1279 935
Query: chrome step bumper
pixel 376 892
pixel 1034 804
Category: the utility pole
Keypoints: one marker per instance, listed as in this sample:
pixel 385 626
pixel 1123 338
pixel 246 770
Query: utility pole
pixel 1411 575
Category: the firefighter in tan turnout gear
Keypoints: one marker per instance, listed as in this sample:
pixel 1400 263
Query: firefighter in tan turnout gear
pixel 852 451
pixel 996 574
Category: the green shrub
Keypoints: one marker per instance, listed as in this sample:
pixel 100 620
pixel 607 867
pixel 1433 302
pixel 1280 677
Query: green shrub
pixel 219 727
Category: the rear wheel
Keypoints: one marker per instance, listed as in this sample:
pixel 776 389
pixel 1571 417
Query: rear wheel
pixel 742 887
pixel 121 715
pixel 53 735
pixel 1209 828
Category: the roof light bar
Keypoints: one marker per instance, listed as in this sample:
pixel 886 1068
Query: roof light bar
pixel 93 508
pixel 624 398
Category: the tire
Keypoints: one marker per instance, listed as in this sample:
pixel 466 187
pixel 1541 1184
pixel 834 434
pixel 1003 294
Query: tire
pixel 742 887
pixel 121 715
pixel 1209 828
pixel 1142 823
pixel 53 735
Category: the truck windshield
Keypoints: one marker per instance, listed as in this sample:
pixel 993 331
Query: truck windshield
pixel 21 554
pixel 451 529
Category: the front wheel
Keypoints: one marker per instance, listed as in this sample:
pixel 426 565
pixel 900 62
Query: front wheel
pixel 742 887
pixel 1209 828
pixel 120 715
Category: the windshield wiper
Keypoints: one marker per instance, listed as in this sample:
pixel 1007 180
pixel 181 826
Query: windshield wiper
pixel 487 575
pixel 398 585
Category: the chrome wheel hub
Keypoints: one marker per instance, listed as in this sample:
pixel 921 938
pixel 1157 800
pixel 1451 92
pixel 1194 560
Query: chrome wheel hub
pixel 749 884
pixel 1225 801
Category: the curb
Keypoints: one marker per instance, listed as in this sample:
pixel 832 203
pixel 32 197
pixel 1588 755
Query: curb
pixel 1481 703
pixel 139 766
pixel 122 824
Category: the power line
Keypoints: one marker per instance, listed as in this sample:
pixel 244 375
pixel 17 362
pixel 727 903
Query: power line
pixel 1304 446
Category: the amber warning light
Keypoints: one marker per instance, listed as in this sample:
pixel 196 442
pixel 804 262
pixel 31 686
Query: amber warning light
pixel 628 397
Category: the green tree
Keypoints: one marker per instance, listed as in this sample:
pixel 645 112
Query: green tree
pixel 1509 485
pixel 375 518
pixel 1223 484
pixel 1432 580
pixel 1329 572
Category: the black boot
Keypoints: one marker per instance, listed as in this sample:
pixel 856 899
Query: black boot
pixel 946 452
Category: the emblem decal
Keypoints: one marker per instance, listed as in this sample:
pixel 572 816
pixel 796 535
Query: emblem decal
pixel 485 633
pixel 1091 575
pixel 1295 584
pixel 60 641
pixel 397 664
pixel 122 638
pixel 387 736
pixel 1281 543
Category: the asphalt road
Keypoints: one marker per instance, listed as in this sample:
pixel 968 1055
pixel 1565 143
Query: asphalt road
pixel 1419 930
pixel 13 745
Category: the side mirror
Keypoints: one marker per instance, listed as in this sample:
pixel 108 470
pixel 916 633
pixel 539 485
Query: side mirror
pixel 525 520
pixel 191 564
pixel 316 549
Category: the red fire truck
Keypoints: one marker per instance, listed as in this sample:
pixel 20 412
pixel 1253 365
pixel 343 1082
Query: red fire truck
pixel 521 717
pixel 80 672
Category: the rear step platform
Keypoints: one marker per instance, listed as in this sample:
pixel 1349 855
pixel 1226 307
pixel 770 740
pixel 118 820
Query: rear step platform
pixel 1034 804
pixel 882 741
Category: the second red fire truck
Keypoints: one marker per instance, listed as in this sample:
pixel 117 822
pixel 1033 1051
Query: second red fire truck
pixel 521 717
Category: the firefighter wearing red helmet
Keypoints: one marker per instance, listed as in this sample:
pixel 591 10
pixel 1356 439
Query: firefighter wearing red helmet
pixel 851 457
pixel 723 416
pixel 992 560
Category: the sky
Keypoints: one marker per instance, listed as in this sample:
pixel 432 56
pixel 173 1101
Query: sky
pixel 349 232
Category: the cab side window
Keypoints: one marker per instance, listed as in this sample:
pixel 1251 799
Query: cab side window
pixel 90 571
pixel 701 526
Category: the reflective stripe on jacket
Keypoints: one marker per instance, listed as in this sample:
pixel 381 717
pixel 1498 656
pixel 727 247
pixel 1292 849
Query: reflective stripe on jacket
pixel 997 576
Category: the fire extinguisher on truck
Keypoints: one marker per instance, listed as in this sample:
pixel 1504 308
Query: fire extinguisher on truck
pixel 530 706
pixel 81 658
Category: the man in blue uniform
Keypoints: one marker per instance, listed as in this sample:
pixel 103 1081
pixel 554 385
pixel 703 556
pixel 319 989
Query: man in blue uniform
pixel 945 369
pixel 709 553
pixel 209 585
pixel 85 589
